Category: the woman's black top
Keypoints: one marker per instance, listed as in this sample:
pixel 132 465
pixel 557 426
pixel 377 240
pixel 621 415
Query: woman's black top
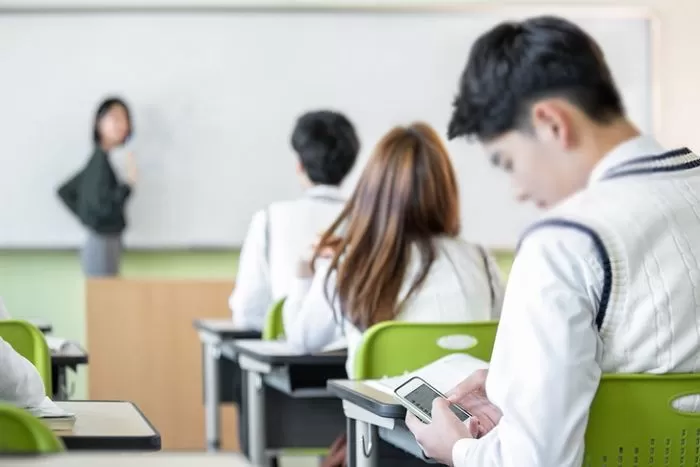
pixel 96 196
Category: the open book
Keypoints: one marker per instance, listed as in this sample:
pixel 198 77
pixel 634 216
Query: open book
pixel 282 348
pixel 443 374
pixel 52 415
pixel 57 344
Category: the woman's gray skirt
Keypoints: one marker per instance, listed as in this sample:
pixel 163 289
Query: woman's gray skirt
pixel 101 255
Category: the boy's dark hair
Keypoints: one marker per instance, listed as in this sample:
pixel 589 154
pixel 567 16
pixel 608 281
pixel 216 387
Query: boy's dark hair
pixel 327 146
pixel 104 107
pixel 516 63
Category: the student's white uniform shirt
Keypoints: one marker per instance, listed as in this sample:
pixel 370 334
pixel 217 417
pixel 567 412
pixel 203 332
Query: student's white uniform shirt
pixel 276 240
pixel 463 284
pixel 20 382
pixel 549 352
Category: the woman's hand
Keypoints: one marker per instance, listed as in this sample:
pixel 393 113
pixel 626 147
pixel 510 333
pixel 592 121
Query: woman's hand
pixel 132 172
pixel 329 248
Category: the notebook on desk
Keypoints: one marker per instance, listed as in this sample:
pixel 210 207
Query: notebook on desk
pixel 52 415
pixel 282 348
pixel 443 374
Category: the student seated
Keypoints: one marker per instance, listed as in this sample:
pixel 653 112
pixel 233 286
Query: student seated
pixel 607 281
pixel 20 382
pixel 327 146
pixel 394 253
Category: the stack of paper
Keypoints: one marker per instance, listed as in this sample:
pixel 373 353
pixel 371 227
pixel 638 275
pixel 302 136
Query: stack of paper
pixel 56 344
pixel 52 415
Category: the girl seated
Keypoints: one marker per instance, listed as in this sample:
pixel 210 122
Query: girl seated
pixel 394 253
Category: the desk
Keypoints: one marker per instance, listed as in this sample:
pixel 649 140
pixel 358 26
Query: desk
pixel 288 403
pixel 70 356
pixel 108 426
pixel 213 333
pixel 372 414
pixel 43 325
pixel 154 459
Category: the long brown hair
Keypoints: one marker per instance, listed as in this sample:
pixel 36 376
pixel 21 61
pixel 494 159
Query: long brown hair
pixel 406 196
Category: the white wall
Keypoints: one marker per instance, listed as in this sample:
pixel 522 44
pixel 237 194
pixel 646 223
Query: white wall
pixel 678 67
pixel 189 121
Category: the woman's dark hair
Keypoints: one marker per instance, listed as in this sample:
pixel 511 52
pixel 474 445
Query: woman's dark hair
pixel 327 146
pixel 104 107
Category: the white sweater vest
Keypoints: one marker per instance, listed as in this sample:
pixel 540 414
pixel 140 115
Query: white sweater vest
pixel 644 219
pixel 292 227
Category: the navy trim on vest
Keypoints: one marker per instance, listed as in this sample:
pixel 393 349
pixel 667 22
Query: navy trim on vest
pixel 602 252
pixel 655 158
pixel 612 173
pixel 485 259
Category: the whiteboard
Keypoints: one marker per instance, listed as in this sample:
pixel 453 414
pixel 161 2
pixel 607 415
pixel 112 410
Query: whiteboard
pixel 215 95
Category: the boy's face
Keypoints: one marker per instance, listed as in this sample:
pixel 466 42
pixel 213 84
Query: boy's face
pixel 543 161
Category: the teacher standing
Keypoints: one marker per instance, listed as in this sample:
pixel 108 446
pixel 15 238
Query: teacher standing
pixel 97 196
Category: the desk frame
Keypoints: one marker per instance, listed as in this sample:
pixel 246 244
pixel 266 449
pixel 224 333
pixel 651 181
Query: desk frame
pixel 263 372
pixel 371 416
pixel 213 341
pixel 60 363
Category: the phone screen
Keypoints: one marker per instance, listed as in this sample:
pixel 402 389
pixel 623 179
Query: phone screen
pixel 422 397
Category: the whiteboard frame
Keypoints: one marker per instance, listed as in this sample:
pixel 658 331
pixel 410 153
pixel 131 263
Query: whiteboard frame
pixel 30 7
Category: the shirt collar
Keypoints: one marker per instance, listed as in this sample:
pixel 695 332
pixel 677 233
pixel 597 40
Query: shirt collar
pixel 325 191
pixel 638 146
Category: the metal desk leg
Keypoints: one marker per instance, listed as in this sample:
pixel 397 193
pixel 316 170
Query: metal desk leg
pixel 351 452
pixel 366 445
pixel 256 419
pixel 212 417
pixel 61 389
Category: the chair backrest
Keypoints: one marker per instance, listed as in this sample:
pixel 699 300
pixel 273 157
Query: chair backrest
pixel 274 326
pixel 20 432
pixel 633 422
pixel 395 347
pixel 29 342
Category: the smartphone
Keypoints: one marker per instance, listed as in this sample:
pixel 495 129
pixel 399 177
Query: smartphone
pixel 417 396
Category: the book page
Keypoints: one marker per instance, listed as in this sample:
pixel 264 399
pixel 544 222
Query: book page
pixel 444 373
pixel 55 344
pixel 279 348
pixel 48 409
pixel 282 348
pixel 337 345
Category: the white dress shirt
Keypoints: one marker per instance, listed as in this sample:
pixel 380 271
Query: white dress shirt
pixel 547 359
pixel 464 284
pixel 276 239
pixel 20 382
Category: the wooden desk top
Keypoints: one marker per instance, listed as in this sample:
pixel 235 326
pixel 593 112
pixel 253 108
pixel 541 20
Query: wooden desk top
pixel 108 425
pixel 154 459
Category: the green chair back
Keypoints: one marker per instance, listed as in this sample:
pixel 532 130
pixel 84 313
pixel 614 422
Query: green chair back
pixel 21 433
pixel 274 326
pixel 633 423
pixel 29 342
pixel 394 347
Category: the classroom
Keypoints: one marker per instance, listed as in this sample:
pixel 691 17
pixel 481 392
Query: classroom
pixel 358 234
